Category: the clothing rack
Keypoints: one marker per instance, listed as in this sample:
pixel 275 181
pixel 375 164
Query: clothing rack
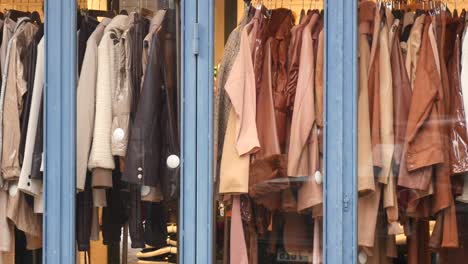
pixel 166 4
pixel 413 5
pixel 100 13
pixel 295 5
pixel 15 14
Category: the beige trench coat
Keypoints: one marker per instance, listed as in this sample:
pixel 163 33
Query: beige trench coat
pixel 241 133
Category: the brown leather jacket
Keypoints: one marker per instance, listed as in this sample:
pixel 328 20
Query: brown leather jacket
pixel 401 98
pixel 294 58
pixel 458 134
pixel 270 58
pixel 279 28
pixel 423 143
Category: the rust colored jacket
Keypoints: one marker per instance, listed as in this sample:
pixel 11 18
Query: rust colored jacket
pixel 458 131
pixel 279 27
pixel 423 143
pixel 301 144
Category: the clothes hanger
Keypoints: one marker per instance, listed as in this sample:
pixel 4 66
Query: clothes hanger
pixel 102 13
pixel 152 262
pixel 301 16
pixel 35 17
pixel 171 229
pixel 247 4
pixel 259 5
pixel 15 14
pixel 158 252
pixel 171 242
pixel 145 12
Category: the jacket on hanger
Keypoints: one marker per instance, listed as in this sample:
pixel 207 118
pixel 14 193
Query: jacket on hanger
pixel 241 138
pixel 14 86
pixel 85 103
pixel 109 51
pixel 26 183
pixel 222 104
pixel 153 133
pixel 365 172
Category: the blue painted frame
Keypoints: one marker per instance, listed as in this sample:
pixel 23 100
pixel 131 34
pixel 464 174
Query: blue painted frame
pixel 60 100
pixel 196 214
pixel 340 186
pixel 188 201
pixel 205 205
pixel 340 224
pixel 59 91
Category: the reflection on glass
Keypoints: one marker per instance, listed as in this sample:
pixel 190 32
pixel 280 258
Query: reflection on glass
pixel 412 137
pixel 21 137
pixel 269 131
pixel 128 154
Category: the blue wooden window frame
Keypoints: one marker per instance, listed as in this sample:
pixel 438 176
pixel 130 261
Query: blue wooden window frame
pixel 188 203
pixel 60 120
pixel 196 214
pixel 340 189
pixel 340 186
pixel 60 85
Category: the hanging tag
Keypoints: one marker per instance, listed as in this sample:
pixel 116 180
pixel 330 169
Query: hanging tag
pixel 362 257
pixel 221 209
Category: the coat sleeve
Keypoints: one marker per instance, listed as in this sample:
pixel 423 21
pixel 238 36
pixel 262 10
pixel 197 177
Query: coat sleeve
pixel 33 186
pixel 303 119
pixel 423 146
pixel 101 156
pixel 14 91
pixel 146 139
pixel 85 103
pixel 122 96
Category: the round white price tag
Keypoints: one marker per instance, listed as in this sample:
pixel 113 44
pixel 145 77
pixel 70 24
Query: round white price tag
pixel 118 134
pixel 145 190
pixel 318 177
pixel 362 257
pixel 13 190
pixel 173 161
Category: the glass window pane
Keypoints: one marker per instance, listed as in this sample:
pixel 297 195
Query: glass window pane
pixel 128 149
pixel 412 133
pixel 21 194
pixel 268 118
